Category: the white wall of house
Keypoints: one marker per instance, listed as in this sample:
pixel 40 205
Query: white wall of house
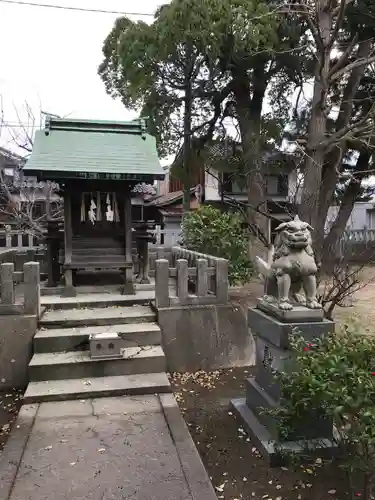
pixel 362 216
pixel 294 187
pixel 212 191
pixel 212 188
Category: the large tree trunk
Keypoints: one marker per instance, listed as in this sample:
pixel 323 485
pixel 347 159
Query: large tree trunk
pixel 333 162
pixel 315 152
pixel 249 103
pixel 187 135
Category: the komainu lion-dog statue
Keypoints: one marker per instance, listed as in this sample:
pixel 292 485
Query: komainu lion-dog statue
pixel 291 268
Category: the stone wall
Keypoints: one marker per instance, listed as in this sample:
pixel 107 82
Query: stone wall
pixel 205 337
pixel 200 329
pixel 16 337
pixel 19 313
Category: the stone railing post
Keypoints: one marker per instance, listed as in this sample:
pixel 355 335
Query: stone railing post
pixel 222 281
pixel 32 288
pixel 202 277
pixel 8 237
pixel 182 280
pixel 7 283
pixel 160 253
pixel 162 283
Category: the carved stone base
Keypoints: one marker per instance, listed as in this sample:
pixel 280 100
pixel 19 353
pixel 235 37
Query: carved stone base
pixel 69 291
pixel 271 328
pixel 275 453
pixel 128 289
pixel 298 314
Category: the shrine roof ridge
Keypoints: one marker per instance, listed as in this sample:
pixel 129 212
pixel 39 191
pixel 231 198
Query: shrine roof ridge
pixel 137 126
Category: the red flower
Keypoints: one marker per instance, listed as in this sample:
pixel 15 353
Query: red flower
pixel 310 345
pixel 307 349
pixel 373 374
pixel 358 494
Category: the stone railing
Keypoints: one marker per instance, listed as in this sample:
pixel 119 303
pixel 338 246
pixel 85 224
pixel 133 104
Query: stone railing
pixel 19 239
pixel 7 255
pixel 199 279
pixel 20 291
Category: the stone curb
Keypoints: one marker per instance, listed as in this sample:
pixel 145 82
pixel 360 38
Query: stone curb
pixel 198 482
pixel 11 456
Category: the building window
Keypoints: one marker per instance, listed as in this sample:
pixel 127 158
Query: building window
pixel 275 185
pixel 232 184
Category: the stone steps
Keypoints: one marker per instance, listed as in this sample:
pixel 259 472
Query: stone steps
pixel 130 385
pixel 62 368
pixel 97 300
pixel 71 339
pixel 79 364
pixel 97 317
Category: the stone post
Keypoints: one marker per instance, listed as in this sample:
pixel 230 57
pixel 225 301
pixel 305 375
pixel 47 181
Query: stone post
pixel 7 284
pixel 32 288
pixel 222 281
pixel 202 277
pixel 8 237
pixel 69 290
pixel 182 280
pixel 162 283
pixel 160 253
pixel 53 254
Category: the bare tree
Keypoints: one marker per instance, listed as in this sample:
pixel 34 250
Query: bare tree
pixel 344 53
pixel 21 197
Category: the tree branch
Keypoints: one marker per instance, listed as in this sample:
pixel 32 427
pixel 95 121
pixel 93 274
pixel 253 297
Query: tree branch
pixel 349 67
pixel 344 56
pixel 338 25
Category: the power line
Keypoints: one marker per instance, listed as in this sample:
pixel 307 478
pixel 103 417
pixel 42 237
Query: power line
pixel 80 9
pixel 19 125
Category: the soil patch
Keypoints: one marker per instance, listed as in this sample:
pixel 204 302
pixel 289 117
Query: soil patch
pixel 10 404
pixel 234 465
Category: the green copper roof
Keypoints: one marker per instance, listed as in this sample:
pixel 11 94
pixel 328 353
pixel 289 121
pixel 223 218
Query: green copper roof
pixel 95 147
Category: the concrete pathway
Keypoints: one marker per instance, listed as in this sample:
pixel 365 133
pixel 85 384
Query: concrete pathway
pixel 125 448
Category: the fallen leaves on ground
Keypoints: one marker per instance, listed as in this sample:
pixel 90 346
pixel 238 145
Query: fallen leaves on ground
pixel 201 378
pixel 234 464
pixel 10 403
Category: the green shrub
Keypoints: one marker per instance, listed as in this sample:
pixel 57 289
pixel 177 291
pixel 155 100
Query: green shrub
pixel 221 234
pixel 335 376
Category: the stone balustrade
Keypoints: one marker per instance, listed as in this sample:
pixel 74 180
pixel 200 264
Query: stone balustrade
pixel 24 299
pixel 197 279
pixel 20 239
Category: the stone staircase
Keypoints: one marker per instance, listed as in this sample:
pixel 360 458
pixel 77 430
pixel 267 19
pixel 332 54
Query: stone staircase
pixel 61 367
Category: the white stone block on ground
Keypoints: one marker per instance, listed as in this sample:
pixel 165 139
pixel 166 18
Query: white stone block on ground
pixel 105 345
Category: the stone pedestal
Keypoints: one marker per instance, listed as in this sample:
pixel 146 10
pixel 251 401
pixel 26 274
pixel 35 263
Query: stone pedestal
pixel 271 328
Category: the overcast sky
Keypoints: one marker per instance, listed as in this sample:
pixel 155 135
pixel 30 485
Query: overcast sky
pixel 49 58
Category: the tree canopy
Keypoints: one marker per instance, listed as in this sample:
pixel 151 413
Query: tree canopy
pixel 265 75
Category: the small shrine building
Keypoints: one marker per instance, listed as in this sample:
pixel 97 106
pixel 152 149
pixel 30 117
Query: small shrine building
pixel 97 164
